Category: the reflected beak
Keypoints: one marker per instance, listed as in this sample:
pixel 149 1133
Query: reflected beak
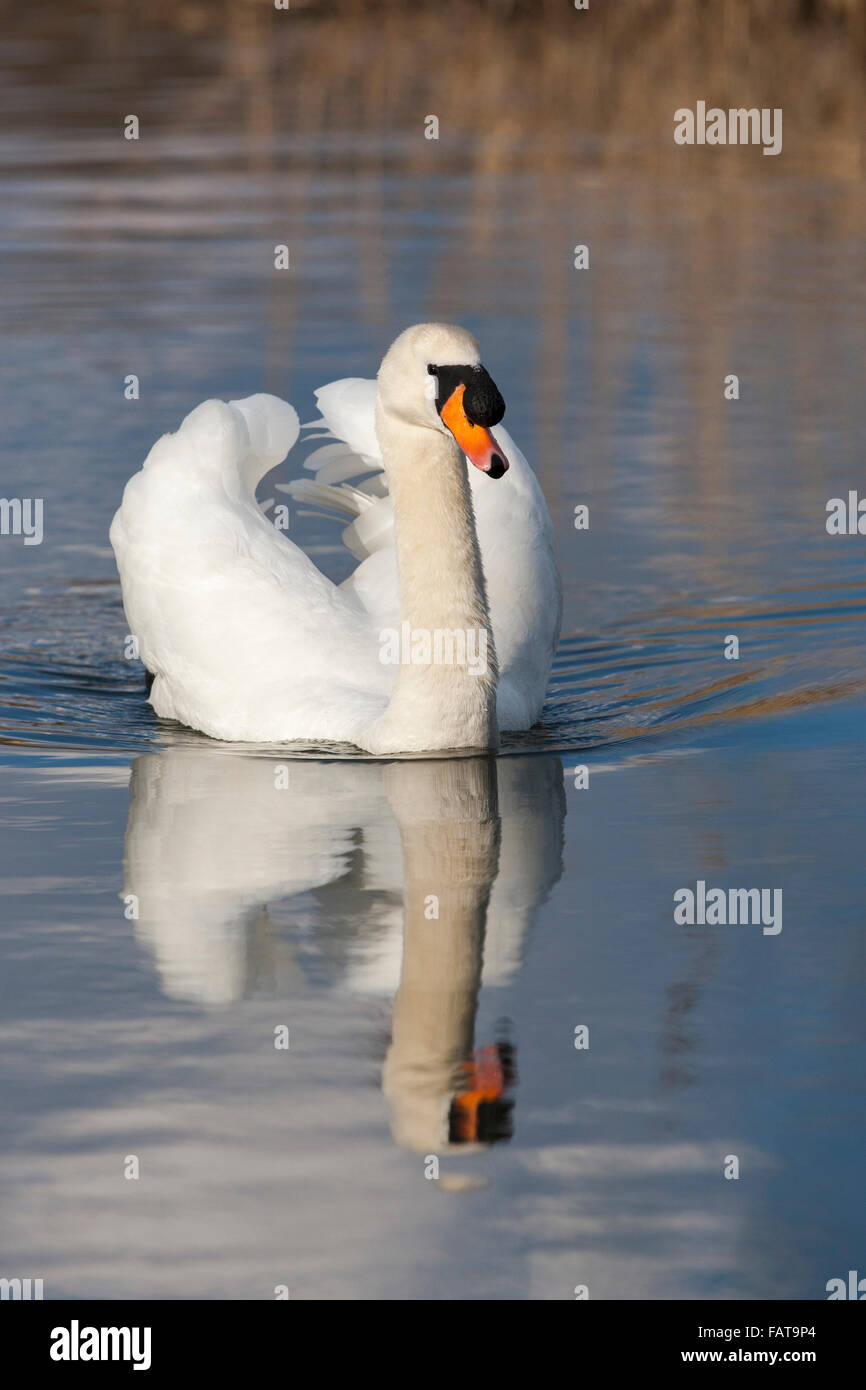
pixel 480 1113
pixel 477 443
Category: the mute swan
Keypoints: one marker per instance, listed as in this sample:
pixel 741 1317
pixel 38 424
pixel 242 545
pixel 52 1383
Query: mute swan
pixel 248 641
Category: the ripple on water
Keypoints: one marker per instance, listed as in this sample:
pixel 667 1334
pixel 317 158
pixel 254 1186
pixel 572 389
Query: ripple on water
pixel 659 675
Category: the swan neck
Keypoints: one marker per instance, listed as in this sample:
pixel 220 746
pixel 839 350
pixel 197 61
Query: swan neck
pixel 439 562
pixel 447 686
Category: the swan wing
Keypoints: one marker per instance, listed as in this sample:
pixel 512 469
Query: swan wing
pixel 246 638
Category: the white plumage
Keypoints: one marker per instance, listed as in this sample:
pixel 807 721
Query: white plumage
pixel 249 641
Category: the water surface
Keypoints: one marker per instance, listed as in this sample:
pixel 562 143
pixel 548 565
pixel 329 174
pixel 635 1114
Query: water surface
pixel 168 903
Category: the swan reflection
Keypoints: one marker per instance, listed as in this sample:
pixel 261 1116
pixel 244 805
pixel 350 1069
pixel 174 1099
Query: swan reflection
pixel 419 879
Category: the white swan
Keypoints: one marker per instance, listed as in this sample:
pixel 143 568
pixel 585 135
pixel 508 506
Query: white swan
pixel 247 639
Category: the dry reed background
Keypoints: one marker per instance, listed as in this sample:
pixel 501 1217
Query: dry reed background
pixel 526 82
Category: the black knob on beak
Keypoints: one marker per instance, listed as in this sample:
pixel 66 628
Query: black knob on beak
pixel 482 402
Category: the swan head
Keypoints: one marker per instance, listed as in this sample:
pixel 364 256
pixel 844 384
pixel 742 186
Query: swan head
pixel 432 376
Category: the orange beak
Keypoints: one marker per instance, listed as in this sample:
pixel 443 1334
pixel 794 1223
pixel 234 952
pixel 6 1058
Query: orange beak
pixel 477 443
